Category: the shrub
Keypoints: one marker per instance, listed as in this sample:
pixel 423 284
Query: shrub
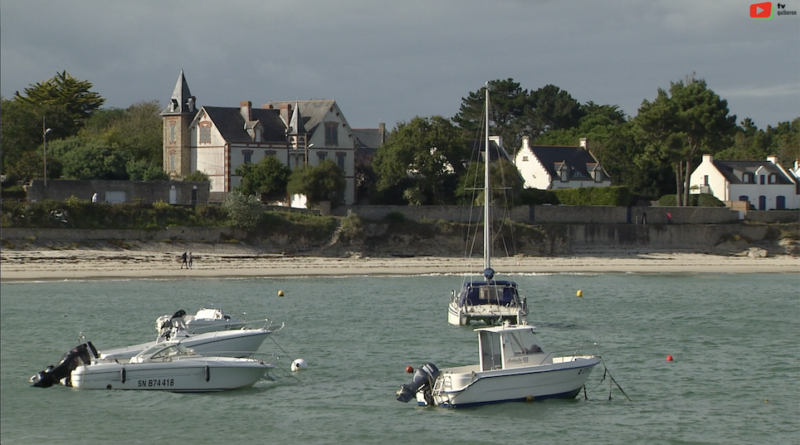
pixel 161 205
pixel 244 211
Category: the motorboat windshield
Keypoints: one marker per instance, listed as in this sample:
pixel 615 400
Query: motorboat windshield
pixel 162 352
pixel 502 293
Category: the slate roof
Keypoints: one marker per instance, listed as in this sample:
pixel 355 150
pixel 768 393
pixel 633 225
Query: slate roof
pixel 312 111
pixel 578 160
pixel 732 170
pixel 367 137
pixel 180 96
pixel 231 124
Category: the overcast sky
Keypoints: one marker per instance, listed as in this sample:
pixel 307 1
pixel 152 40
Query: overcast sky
pixel 389 61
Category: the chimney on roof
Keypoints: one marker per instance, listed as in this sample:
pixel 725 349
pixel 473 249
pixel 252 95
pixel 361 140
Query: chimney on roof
pixel 582 143
pixel 244 108
pixel 708 158
pixel 773 159
pixel 382 132
pixel 525 143
pixel 267 106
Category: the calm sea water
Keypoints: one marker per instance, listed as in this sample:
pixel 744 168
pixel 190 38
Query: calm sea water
pixel 735 378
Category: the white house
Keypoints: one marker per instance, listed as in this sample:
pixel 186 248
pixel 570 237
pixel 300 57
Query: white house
pixel 765 184
pixel 218 140
pixel 556 167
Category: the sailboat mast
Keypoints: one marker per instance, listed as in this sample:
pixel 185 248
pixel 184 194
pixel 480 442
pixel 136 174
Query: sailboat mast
pixel 487 222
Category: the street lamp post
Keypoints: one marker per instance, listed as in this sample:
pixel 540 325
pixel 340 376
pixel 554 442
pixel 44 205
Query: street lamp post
pixel 45 130
pixel 306 154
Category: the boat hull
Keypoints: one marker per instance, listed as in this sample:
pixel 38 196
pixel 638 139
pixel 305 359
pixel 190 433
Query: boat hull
pixel 464 387
pixel 207 374
pixel 239 343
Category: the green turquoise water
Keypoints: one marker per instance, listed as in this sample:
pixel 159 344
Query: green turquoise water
pixel 735 378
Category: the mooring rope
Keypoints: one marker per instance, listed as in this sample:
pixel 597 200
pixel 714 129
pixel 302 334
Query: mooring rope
pixel 285 353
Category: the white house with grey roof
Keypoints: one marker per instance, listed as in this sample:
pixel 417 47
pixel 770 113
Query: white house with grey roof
pixel 766 185
pixel 218 140
pixel 547 167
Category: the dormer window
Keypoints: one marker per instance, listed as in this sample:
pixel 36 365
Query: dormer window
pixel 598 175
pixel 746 178
pixel 773 178
pixel 564 174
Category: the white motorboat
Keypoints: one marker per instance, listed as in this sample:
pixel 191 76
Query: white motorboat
pixel 243 342
pixel 205 320
pixel 490 301
pixel 163 367
pixel 512 367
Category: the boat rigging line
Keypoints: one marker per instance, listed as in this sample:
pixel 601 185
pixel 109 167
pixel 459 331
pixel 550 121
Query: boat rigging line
pixel 611 381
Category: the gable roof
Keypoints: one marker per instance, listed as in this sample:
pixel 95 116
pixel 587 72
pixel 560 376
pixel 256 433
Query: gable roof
pixel 368 137
pixel 231 124
pixel 312 111
pixel 554 158
pixel 732 170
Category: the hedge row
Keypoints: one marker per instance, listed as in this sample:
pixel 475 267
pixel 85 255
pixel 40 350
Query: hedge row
pixel 585 196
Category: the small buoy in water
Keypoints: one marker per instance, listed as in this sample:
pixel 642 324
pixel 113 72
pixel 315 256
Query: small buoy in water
pixel 766 401
pixel 280 293
pixel 409 369
pixel 579 293
pixel 669 358
pixel 529 399
pixel 299 364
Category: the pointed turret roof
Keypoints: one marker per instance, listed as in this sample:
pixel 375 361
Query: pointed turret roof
pixel 182 100
pixel 296 122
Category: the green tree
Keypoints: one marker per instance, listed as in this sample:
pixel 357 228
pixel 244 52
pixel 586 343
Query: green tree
pixel 65 91
pixel 267 179
pixel 429 149
pixel 509 104
pixel 93 159
pixel 23 137
pixel 323 182
pixel 197 176
pixel 504 179
pixel 244 211
pixel 552 109
pixel 680 123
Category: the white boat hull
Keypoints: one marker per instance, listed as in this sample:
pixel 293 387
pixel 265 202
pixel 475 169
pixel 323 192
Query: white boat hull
pixel 468 386
pixel 239 343
pixel 201 374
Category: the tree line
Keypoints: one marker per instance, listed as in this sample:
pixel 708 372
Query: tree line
pixel 425 160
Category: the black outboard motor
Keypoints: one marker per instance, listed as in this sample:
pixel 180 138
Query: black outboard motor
pixel 423 381
pixel 79 355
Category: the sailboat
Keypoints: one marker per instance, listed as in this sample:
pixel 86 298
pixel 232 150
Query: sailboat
pixel 512 363
pixel 490 301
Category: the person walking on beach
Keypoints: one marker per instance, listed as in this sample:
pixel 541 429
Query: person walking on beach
pixel 183 259
pixel 190 260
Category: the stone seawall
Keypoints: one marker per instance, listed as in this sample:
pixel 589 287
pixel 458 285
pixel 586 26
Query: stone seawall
pixel 559 239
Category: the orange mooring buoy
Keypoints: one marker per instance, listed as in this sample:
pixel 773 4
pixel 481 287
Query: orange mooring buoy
pixel 669 358
pixel 409 369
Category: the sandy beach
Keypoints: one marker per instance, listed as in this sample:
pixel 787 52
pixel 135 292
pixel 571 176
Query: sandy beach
pixel 214 261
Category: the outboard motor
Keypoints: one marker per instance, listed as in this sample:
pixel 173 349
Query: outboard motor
pixel 165 321
pixel 423 381
pixel 79 355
